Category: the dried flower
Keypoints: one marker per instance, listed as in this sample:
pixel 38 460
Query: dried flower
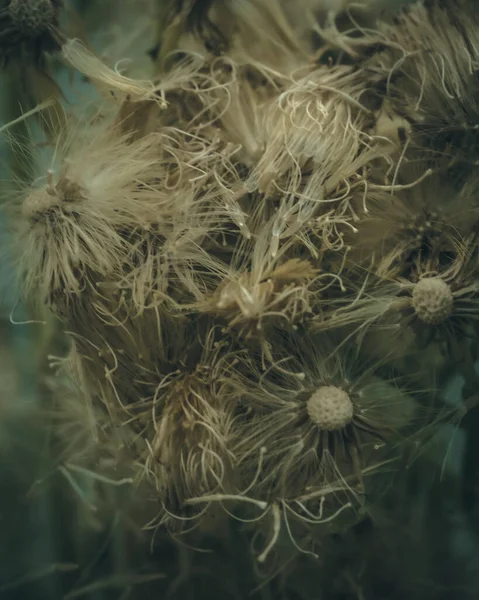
pixel 29 28
pixel 428 69
pixel 415 223
pixel 71 233
pixel 318 414
pixel 432 300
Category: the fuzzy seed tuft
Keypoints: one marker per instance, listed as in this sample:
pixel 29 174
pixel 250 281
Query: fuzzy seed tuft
pixel 32 17
pixel 37 203
pixel 330 408
pixel 40 201
pixel 432 300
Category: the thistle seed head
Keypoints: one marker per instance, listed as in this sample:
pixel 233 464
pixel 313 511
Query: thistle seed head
pixel 330 408
pixel 432 300
pixel 38 203
pixel 61 194
pixel 32 17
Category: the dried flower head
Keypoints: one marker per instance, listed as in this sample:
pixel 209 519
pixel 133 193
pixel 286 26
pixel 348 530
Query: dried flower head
pixel 71 229
pixel 183 427
pixel 416 222
pixel 29 28
pixel 442 302
pixel 314 154
pixel 428 64
pixel 179 256
pixel 432 300
pixel 258 291
pixel 330 408
pixel 320 416
pixel 188 453
pixel 31 17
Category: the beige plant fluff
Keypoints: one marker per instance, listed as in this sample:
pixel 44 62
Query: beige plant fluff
pixel 246 248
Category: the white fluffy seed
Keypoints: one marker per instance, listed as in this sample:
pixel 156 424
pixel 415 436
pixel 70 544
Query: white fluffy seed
pixel 432 300
pixel 31 17
pixel 330 408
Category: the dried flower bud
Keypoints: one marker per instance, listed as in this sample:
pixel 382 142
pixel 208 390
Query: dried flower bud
pixel 32 17
pixel 432 300
pixel 29 29
pixel 330 408
pixel 38 203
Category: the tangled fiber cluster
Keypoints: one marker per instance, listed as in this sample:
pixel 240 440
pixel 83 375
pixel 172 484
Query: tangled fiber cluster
pixel 265 257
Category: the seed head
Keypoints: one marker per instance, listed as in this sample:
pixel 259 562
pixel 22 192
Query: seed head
pixel 32 17
pixel 330 408
pixel 38 203
pixel 61 194
pixel 432 300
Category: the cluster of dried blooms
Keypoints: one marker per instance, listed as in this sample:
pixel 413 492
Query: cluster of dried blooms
pixel 265 255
